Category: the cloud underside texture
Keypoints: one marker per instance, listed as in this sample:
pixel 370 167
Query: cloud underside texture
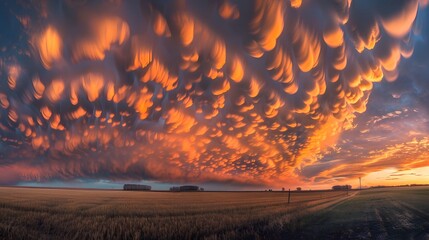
pixel 179 91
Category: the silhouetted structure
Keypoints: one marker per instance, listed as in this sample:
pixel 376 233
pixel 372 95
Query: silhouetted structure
pixel 137 187
pixel 341 187
pixel 360 183
pixel 186 188
pixel 189 188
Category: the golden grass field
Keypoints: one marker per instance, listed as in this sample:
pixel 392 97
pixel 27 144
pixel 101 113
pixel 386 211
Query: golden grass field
pixel 35 213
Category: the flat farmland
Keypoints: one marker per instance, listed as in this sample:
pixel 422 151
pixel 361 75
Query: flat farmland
pixel 383 213
pixel 32 213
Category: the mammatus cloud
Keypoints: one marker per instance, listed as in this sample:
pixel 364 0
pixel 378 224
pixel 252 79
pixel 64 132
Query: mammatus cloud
pixel 243 91
pixel 390 136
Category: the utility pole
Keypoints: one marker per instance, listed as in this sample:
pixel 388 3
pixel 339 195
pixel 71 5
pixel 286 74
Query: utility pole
pixel 288 198
pixel 360 183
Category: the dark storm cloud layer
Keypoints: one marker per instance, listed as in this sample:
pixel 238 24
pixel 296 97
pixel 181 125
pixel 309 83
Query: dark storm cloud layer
pixel 242 91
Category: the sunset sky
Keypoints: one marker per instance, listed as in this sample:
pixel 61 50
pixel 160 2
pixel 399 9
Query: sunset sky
pixel 227 94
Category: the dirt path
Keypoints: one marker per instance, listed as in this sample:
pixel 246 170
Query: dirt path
pixel 331 203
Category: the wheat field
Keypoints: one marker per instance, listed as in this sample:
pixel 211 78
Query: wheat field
pixel 32 213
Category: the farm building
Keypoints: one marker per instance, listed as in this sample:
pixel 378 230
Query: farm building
pixel 175 189
pixel 341 187
pixel 189 188
pixel 137 187
pixel 186 188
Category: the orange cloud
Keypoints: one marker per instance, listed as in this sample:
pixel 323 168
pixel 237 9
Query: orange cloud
pixel 248 92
